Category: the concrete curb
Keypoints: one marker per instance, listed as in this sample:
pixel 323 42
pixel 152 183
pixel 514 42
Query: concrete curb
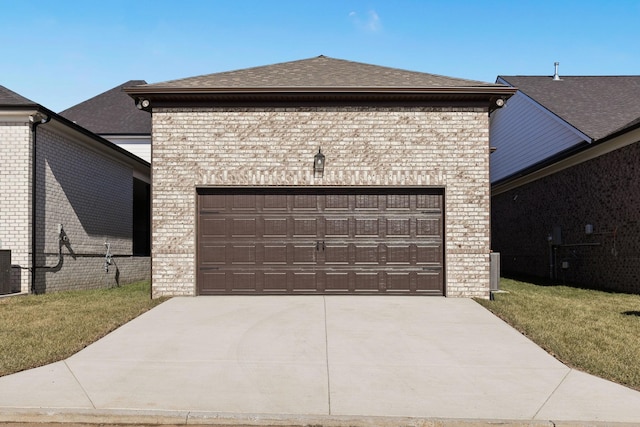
pixel 69 417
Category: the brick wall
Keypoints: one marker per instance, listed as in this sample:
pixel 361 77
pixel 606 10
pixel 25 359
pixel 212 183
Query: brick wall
pixel 89 193
pixel 15 203
pixel 603 192
pixel 434 147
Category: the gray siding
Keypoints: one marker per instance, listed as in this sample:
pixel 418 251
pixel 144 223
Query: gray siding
pixel 524 134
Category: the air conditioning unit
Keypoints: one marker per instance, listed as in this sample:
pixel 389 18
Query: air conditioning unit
pixel 5 272
pixel 494 258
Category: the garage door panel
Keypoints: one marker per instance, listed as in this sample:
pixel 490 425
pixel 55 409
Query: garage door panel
pixel 398 281
pixel 398 201
pixel 338 202
pixel 305 227
pixel 367 202
pixel 275 227
pixel 243 281
pixel 243 254
pixel 243 227
pixel 275 255
pixel 336 254
pixel 367 227
pixel 367 281
pixel 429 282
pixel 213 227
pixel 399 255
pixel 305 202
pixel 275 202
pixel 304 254
pixel 398 227
pixel 275 281
pixel 213 254
pixel 305 281
pixel 337 227
pixel 320 241
pixel 431 202
pixel 367 254
pixel 244 202
pixel 213 281
pixel 429 254
pixel 337 281
pixel 429 227
pixel 216 202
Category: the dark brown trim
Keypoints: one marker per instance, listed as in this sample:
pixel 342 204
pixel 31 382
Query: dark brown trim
pixel 447 96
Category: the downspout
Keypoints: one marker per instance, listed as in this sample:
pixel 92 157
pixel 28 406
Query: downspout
pixel 36 119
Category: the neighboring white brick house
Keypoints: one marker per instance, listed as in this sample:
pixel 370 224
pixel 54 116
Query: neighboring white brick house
pixel 85 195
pixel 381 129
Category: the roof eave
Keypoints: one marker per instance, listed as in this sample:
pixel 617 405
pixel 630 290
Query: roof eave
pixel 177 97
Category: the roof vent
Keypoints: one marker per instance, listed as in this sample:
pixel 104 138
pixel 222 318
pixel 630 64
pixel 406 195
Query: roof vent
pixel 556 77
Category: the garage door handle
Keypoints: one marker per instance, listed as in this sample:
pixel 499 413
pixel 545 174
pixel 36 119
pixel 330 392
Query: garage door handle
pixel 318 245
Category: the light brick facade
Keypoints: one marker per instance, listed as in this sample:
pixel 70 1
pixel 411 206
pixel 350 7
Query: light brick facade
pixel 15 202
pixel 438 147
pixel 80 186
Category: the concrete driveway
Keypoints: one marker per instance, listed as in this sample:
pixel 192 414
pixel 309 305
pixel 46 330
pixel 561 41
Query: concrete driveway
pixel 314 360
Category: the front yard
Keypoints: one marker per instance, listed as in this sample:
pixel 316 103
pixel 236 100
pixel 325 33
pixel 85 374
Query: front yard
pixel 40 329
pixel 594 331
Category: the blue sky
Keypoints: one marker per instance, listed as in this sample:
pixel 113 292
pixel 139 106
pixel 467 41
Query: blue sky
pixel 62 52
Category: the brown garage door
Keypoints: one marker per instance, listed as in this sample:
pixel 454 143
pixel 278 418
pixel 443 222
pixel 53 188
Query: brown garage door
pixel 327 241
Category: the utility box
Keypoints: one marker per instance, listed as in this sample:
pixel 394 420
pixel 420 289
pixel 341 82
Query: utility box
pixel 494 258
pixel 5 272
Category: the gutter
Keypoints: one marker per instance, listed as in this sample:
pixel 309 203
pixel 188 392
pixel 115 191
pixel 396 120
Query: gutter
pixel 461 90
pixel 38 119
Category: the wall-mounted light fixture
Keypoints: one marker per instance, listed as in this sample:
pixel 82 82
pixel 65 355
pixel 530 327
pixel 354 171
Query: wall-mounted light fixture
pixel 318 164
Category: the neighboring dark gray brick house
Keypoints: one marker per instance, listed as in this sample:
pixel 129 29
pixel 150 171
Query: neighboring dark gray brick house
pixel 240 205
pixel 88 203
pixel 566 180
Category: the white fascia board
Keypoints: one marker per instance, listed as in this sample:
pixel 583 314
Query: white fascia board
pixel 94 145
pixel 550 114
pixel 16 115
pixel 110 136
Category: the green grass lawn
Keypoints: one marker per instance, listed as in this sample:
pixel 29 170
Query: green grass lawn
pixel 40 329
pixel 594 331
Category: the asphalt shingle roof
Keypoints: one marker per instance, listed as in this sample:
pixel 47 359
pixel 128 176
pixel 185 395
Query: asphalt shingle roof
pixel 10 98
pixel 320 72
pixel 111 113
pixel 596 105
